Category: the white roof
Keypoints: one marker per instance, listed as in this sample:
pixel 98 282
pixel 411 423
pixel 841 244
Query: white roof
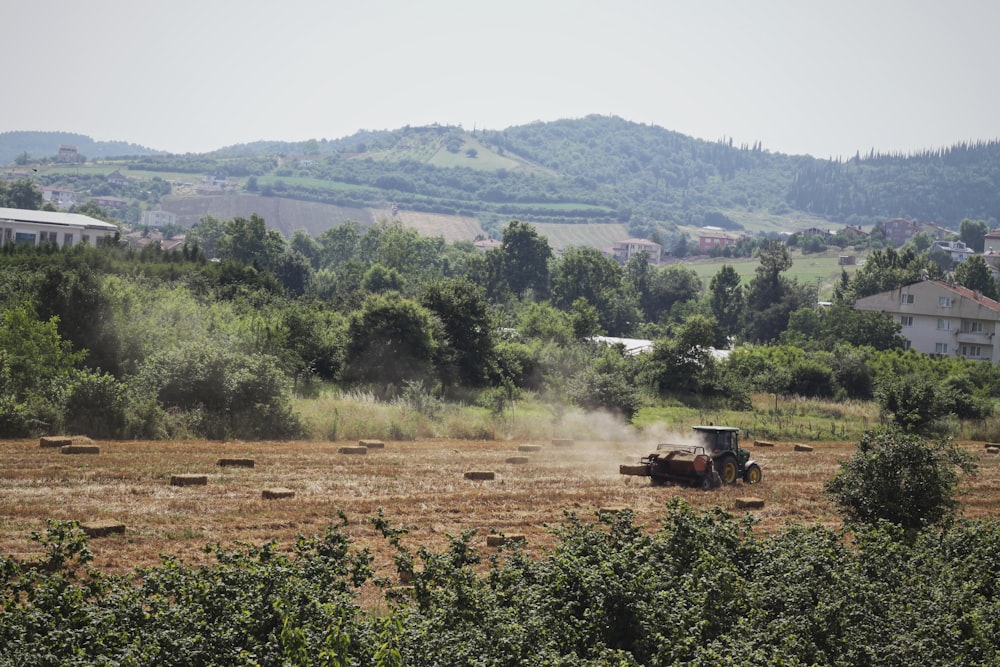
pixel 55 218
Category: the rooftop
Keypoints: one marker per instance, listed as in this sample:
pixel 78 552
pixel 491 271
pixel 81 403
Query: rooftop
pixel 55 218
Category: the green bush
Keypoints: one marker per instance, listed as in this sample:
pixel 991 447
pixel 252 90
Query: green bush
pixel 900 478
pixel 95 404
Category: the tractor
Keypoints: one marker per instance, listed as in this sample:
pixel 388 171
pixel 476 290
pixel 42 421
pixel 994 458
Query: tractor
pixel 715 458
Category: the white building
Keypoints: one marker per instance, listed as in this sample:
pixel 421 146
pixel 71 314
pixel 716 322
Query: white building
pixel 158 218
pixel 941 318
pixel 66 229
pixel 629 248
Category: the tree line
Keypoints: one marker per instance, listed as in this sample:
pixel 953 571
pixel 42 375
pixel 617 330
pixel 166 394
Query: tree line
pixel 215 339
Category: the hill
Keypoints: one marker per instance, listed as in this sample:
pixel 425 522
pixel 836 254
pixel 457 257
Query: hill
pixel 597 170
pixel 46 145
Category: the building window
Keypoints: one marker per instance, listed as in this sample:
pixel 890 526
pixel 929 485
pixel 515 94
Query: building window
pixel 906 344
pixel 944 324
pixel 940 348
pixel 85 239
pixel 906 320
pixel 906 299
pixel 973 351
pixel 972 326
pixel 944 301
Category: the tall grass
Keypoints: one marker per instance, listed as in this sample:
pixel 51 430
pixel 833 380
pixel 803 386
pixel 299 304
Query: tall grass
pixel 333 415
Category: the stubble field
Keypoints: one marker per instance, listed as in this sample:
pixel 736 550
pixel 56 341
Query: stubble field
pixel 420 485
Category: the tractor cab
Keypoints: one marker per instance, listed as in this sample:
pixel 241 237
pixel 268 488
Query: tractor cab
pixel 731 461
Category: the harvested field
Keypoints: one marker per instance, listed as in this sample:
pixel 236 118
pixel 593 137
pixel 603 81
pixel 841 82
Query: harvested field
pixel 418 484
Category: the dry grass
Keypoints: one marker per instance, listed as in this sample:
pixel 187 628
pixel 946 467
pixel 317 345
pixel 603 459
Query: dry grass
pixel 419 484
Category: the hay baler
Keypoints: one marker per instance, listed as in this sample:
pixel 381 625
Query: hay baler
pixel 716 459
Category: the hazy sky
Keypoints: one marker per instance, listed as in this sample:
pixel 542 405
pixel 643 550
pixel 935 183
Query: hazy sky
pixel 825 78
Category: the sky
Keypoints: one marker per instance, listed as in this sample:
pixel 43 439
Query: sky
pixel 826 78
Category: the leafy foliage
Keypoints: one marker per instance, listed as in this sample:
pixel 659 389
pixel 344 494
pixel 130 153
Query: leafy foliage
pixel 899 478
pixel 688 592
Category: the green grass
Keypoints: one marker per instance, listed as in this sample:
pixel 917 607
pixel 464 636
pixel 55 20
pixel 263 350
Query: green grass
pixel 594 236
pixel 822 269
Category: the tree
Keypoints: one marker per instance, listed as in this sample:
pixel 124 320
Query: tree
pixel 668 287
pixel 886 270
pixel 391 339
pixel 585 273
pixel 771 298
pixel 684 364
pixel 913 401
pixel 526 257
pixel 899 478
pixel 339 245
pixel 974 274
pixel 468 348
pixel 727 299
pixel 207 233
pixel 378 278
pixel 34 355
pixel 814 328
pixel 250 242
pixel 21 194
pixel 973 233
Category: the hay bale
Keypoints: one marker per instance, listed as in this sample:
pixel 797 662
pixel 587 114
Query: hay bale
pixel 81 449
pixel 529 448
pixel 277 493
pixel 102 528
pixel 562 442
pixel 636 469
pixel 55 441
pixel 749 503
pixel 517 460
pixel 500 540
pixel 371 444
pixel 762 443
pixel 803 448
pixel 352 450
pixel 235 463
pixel 188 480
pixel 480 474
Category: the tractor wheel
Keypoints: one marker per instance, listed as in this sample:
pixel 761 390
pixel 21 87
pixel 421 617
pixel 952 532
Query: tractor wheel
pixel 753 474
pixel 728 470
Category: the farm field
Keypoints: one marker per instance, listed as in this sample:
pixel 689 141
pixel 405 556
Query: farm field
pixel 420 485
pixel 821 269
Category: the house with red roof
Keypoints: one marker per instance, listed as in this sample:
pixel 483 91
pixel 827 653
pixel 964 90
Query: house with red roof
pixel 941 318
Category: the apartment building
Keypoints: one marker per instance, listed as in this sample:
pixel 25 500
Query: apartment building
pixel 941 318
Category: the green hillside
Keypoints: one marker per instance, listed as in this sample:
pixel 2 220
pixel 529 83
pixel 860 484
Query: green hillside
pixel 600 171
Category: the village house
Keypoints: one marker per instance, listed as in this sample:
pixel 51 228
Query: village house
pixel 68 153
pixel 61 198
pixel 709 240
pixel 941 318
pixel 113 203
pixel 629 248
pixel 957 250
pixel 116 178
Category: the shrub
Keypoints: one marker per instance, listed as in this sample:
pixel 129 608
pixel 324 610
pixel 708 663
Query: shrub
pixel 898 477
